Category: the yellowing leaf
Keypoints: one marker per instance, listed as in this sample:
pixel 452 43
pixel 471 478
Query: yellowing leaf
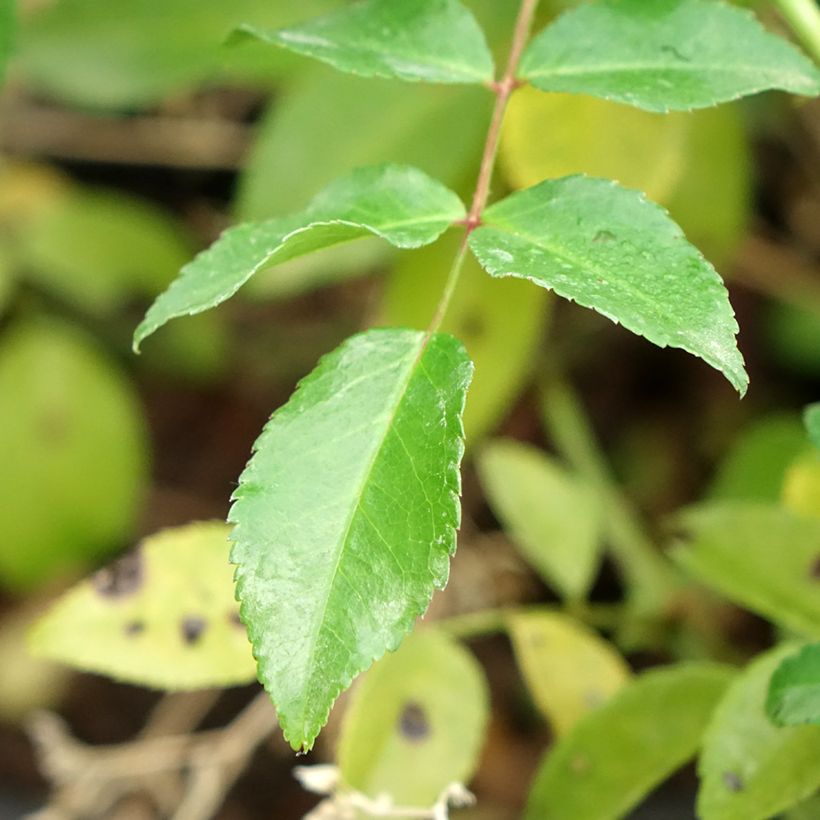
pixel 801 488
pixel 162 616
pixel 568 668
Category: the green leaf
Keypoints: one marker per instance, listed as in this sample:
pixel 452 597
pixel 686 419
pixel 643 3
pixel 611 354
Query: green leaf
pixel 346 515
pixel 762 557
pixel 73 445
pixel 399 204
pixel 8 32
pixel 416 722
pixel 811 417
pixel 568 668
pixel 434 41
pixel 750 769
pixel 162 616
pixel 479 315
pixel 608 248
pixel 611 760
pixel 801 487
pixel 553 516
pixel 663 55
pixel 794 689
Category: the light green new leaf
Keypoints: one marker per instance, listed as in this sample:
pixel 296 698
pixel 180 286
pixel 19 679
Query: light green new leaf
pixel 811 417
pixel 794 689
pixel 434 41
pixel 397 203
pixel 608 248
pixel 616 755
pixel 161 616
pixel 750 769
pixel 553 516
pixel 346 515
pixel 762 557
pixel 664 55
pixel 568 668
pixel 415 724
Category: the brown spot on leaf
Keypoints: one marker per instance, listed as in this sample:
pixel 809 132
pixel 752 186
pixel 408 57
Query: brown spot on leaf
pixel 814 569
pixel 192 627
pixel 732 781
pixel 413 722
pixel 123 577
pixel 134 628
pixel 604 237
pixel 235 620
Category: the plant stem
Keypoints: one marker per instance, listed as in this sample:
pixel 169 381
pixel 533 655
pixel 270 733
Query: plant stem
pixel 503 90
pixel 804 18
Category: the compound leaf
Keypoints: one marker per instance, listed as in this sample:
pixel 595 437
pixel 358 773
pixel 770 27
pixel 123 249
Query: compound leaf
pixel 416 722
pixel 663 55
pixel 397 203
pixel 750 769
pixel 435 41
pixel 610 249
pixel 619 752
pixel 346 515
pixel 162 616
pixel 794 690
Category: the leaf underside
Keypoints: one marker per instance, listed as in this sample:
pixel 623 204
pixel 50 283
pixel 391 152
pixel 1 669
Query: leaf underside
pixel 664 55
pixel 346 516
pixel 610 249
pixel 434 41
pixel 794 690
pixel 397 203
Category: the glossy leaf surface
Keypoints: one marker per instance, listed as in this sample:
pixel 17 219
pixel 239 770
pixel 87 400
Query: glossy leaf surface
pixel 346 516
pixel 396 203
pixel 749 768
pixel 568 668
pixel 762 557
pixel 162 616
pixel 435 41
pixel 794 689
pixel 553 516
pixel 608 248
pixel 664 55
pixel 415 723
pixel 618 753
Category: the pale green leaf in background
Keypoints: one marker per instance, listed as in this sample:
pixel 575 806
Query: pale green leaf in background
pixel 479 315
pixel 663 55
pixel 73 447
pixel 811 417
pixel 553 516
pixel 750 769
pixel 794 689
pixel 762 557
pixel 610 249
pixel 617 754
pixel 569 670
pixel 435 41
pixel 399 204
pixel 415 723
pixel 801 486
pixel 163 616
pixel 346 515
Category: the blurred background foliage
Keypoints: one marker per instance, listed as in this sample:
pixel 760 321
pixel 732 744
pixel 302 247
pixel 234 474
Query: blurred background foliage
pixel 131 135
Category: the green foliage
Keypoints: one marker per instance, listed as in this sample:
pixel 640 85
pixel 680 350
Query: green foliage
pixel 73 446
pixel 398 204
pixel 811 416
pixel 750 769
pixel 8 31
pixel 794 689
pixel 568 668
pixel 552 515
pixel 434 41
pixel 612 759
pixel 739 550
pixel 664 55
pixel 409 731
pixel 346 516
pixel 602 246
pixel 162 616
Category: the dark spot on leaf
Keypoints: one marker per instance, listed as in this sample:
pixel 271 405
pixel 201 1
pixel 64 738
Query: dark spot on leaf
pixel 676 54
pixel 604 236
pixel 473 325
pixel 123 577
pixel 192 627
pixel 732 781
pixel 134 628
pixel 235 620
pixel 814 569
pixel 413 722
